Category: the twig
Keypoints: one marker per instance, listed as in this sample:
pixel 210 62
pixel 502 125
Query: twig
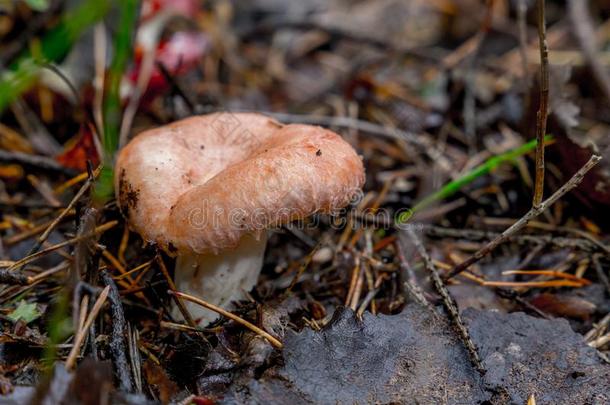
pixel 35 161
pixel 180 327
pixel 302 269
pixel 45 191
pixel 478 235
pixel 353 281
pixel 274 341
pixel 134 270
pixel 11 277
pixel 358 287
pixel 599 328
pixel 82 333
pixel 134 357
pixel 543 110
pixel 86 259
pixel 448 302
pixel 181 307
pixel 14 291
pixel 511 294
pixel 100 229
pixel 550 273
pixel 410 282
pixel 40 276
pixel 529 284
pixel 30 232
pixel 600 341
pixel 114 262
pixel 39 136
pixel 117 339
pixel 523 221
pixel 175 86
pixel 84 306
pixel 42 238
pixel 368 299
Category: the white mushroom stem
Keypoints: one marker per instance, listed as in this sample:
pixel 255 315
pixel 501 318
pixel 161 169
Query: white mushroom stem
pixel 219 279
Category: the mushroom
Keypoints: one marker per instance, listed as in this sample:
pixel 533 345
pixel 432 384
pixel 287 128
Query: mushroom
pixel 207 188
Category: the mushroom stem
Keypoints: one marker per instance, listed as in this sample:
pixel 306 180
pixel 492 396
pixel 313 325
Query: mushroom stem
pixel 220 279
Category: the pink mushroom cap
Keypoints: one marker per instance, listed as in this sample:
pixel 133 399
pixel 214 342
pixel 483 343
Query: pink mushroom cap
pixel 200 184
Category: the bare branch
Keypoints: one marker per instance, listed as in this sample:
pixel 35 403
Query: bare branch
pixel 543 110
pixel 523 221
pixel 448 302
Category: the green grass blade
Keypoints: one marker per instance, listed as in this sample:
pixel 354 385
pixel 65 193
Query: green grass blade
pixel 122 54
pixel 112 109
pixel 22 74
pixel 454 186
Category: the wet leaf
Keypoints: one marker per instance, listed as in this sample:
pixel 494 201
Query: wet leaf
pixel 415 355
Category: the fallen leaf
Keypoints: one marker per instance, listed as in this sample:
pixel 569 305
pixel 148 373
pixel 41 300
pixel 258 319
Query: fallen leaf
pixel 78 150
pixel 567 306
pixel 157 378
pixel 25 311
pixel 416 356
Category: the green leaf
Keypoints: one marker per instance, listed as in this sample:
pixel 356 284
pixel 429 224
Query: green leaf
pixel 25 311
pixel 112 107
pixel 55 44
pixel 38 5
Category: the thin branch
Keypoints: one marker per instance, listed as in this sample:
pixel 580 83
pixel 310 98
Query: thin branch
pixel 12 277
pixel 117 339
pixel 100 229
pixel 543 110
pixel 409 280
pixel 274 341
pixel 523 221
pixel 82 333
pixel 583 244
pixel 181 307
pixel 448 302
pixel 176 88
pixel 35 161
pixel 42 238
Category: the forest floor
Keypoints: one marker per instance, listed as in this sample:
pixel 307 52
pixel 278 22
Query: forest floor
pixel 486 292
